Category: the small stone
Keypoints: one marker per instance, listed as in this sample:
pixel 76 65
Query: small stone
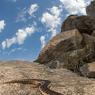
pixel 93 33
pixel 88 70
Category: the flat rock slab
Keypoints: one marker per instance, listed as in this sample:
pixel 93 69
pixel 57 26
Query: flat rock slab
pixel 62 80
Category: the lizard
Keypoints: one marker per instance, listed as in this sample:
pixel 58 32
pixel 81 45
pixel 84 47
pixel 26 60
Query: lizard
pixel 43 85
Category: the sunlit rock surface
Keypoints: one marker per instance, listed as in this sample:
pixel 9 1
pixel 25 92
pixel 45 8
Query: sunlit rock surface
pixel 62 80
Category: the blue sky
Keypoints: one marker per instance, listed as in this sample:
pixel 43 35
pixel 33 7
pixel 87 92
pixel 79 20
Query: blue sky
pixel 27 25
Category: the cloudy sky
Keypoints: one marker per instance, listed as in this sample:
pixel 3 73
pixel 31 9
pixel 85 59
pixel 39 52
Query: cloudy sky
pixel 27 25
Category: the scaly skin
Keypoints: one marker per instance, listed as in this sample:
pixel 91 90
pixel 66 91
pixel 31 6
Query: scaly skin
pixel 42 84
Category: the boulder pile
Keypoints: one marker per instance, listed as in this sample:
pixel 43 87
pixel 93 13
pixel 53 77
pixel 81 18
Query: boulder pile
pixel 74 46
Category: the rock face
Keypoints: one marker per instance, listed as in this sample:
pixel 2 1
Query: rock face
pixel 62 80
pixel 91 9
pixel 85 24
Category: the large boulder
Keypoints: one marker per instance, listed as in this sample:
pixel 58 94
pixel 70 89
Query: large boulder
pixel 69 50
pixel 88 70
pixel 56 49
pixel 91 9
pixel 85 24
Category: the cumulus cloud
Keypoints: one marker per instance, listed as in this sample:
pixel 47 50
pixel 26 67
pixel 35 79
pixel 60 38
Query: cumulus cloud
pixel 19 37
pixel 52 19
pixel 43 42
pixel 27 13
pixel 33 8
pixel 75 6
pixel 2 25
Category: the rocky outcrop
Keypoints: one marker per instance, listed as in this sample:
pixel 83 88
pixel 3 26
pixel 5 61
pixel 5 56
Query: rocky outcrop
pixel 85 24
pixel 74 46
pixel 69 49
pixel 91 9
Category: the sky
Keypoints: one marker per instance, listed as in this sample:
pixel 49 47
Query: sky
pixel 26 26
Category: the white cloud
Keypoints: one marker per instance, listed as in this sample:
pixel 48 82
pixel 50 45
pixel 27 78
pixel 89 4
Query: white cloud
pixel 19 38
pixel 43 42
pixel 52 19
pixel 75 6
pixel 33 8
pixel 4 44
pixel 22 15
pixel 11 41
pixel 23 33
pixel 27 13
pixel 2 25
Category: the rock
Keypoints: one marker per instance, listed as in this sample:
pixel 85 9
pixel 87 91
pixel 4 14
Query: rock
pixel 85 24
pixel 91 9
pixel 75 59
pixel 93 33
pixel 69 23
pixel 62 80
pixel 90 45
pixel 88 70
pixel 89 40
pixel 56 48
